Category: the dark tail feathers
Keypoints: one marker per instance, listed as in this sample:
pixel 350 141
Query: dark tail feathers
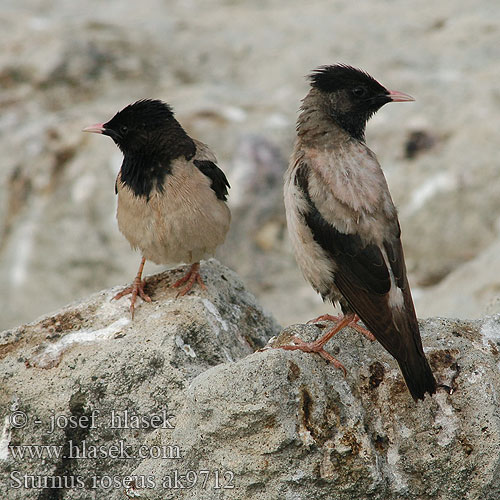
pixel 418 377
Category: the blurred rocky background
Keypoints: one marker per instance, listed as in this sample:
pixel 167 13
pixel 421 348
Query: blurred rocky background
pixel 234 72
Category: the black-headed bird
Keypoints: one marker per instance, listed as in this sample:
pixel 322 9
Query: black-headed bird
pixel 343 224
pixel 171 193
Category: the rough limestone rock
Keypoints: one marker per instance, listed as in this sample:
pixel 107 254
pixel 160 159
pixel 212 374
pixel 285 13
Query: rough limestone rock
pixel 177 405
pixel 90 357
pixel 281 424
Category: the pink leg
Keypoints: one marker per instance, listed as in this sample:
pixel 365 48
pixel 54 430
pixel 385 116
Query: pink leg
pixel 318 345
pixel 137 288
pixel 352 324
pixel 192 276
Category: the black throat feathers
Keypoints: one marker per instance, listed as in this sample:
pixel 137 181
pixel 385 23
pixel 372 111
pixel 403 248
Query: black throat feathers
pixel 146 168
pixel 353 124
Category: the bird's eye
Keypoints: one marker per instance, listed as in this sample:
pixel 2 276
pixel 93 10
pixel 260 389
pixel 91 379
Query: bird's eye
pixel 123 129
pixel 359 91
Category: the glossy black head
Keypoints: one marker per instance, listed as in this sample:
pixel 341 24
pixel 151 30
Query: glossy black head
pixel 138 124
pixel 150 138
pixel 352 96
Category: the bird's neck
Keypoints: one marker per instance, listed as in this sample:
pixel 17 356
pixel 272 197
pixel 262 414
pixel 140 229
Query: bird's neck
pixel 353 124
pixel 146 168
pixel 317 122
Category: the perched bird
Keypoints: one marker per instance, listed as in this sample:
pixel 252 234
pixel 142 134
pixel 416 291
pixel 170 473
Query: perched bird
pixel 171 193
pixel 343 224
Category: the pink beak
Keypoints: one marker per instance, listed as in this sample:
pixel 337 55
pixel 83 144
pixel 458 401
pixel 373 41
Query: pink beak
pixel 98 128
pixel 396 96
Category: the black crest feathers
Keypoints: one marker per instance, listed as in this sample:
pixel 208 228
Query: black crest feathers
pixel 341 76
pixel 152 113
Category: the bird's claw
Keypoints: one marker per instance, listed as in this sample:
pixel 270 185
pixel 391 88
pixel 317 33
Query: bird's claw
pixel 315 347
pixel 192 276
pixel 353 324
pixel 324 317
pixel 137 289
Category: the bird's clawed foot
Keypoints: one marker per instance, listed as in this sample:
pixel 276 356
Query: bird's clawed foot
pixel 137 288
pixel 317 347
pixel 353 324
pixel 192 276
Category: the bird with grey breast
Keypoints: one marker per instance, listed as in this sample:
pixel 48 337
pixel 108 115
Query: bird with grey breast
pixel 343 224
pixel 171 193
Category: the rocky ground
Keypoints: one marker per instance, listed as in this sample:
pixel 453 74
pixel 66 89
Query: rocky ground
pixel 176 404
pixel 234 72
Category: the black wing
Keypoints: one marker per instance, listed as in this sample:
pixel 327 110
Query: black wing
pixel 364 280
pixel 362 275
pixel 216 175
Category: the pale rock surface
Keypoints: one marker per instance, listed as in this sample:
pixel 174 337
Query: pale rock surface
pixel 291 426
pixel 272 423
pixel 91 356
